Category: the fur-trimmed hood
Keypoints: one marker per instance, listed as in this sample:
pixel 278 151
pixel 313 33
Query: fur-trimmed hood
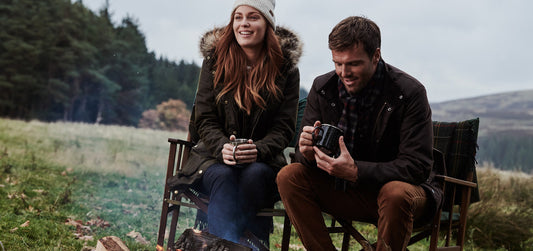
pixel 291 46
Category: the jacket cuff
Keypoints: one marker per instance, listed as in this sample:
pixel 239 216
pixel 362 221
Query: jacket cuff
pixel 363 171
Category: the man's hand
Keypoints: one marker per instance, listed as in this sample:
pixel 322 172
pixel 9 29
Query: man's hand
pixel 342 167
pixel 241 154
pixel 305 143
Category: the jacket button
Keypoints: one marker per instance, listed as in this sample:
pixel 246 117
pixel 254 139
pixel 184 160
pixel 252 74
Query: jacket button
pixel 323 92
pixel 389 109
pixel 332 104
pixel 225 102
pixel 200 172
pixel 400 97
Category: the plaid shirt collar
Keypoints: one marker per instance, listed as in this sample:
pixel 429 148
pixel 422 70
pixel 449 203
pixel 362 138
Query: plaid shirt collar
pixel 360 106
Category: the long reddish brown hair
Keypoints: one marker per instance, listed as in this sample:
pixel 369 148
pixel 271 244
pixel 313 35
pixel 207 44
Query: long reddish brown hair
pixel 247 85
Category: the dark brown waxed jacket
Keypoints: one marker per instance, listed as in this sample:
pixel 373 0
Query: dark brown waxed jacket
pixel 400 145
pixel 213 122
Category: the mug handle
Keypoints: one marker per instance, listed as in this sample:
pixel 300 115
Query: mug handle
pixel 316 134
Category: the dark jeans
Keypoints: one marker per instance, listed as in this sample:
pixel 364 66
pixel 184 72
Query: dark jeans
pixel 236 194
pixel 307 192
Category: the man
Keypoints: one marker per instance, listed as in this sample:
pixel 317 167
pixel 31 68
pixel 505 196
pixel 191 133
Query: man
pixel 385 160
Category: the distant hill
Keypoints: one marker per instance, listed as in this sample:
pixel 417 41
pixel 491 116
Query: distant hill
pixel 510 112
pixel 505 127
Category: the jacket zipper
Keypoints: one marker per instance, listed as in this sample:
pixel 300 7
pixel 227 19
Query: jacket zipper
pixel 255 121
pixel 378 119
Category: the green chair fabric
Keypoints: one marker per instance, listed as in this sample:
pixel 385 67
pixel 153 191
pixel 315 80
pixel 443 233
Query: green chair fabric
pixel 301 107
pixel 458 143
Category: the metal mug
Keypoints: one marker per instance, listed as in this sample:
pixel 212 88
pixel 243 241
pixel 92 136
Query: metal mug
pixel 238 141
pixel 326 138
pixel 235 143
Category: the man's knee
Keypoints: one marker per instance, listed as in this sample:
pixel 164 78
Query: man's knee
pixel 395 194
pixel 288 175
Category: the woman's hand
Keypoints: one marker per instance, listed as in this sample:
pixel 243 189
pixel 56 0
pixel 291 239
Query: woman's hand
pixel 240 154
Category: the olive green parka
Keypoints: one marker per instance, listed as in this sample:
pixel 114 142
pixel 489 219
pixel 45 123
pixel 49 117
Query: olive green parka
pixel 213 122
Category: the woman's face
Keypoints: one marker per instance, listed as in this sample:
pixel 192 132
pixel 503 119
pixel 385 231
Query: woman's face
pixel 249 27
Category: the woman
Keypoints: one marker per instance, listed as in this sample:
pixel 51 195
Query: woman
pixel 249 87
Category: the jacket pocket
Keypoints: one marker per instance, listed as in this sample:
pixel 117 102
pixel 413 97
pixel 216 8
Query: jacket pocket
pixel 199 160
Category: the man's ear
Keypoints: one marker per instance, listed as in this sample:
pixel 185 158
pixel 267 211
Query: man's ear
pixel 377 56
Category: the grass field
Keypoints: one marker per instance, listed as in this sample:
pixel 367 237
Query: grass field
pixel 63 186
pixel 101 180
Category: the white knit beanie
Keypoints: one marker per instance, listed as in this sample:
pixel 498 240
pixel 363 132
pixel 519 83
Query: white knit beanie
pixel 266 7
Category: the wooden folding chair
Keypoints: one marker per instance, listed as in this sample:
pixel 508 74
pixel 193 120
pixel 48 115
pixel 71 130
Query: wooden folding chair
pixel 455 146
pixel 458 143
pixel 174 198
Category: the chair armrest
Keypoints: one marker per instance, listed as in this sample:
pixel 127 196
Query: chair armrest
pixel 180 142
pixel 456 181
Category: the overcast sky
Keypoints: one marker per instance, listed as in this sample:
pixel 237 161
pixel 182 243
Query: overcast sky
pixel 456 48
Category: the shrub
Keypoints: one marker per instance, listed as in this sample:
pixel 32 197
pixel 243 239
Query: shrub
pixel 170 116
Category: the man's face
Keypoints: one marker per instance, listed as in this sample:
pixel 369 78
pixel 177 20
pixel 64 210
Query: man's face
pixel 354 67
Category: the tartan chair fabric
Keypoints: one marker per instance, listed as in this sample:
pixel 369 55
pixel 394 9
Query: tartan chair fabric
pixel 458 143
pixel 455 146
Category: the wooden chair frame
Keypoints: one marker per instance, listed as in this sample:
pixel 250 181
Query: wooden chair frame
pixel 173 199
pixel 457 191
pixel 458 155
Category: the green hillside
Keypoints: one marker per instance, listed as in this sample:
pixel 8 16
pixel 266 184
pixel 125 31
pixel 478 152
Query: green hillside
pixel 505 127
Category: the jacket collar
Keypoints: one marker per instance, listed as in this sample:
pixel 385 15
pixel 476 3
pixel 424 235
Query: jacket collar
pixel 331 79
pixel 291 46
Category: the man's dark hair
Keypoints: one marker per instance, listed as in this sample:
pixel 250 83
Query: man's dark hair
pixel 355 30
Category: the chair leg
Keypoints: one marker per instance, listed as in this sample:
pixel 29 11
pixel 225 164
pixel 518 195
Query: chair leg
pixel 356 235
pixel 345 241
pixel 166 196
pixel 162 225
pixel 285 241
pixel 462 218
pixel 435 231
pixel 173 226
pixel 450 210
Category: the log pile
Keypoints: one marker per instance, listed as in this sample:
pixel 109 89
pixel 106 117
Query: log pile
pixel 196 240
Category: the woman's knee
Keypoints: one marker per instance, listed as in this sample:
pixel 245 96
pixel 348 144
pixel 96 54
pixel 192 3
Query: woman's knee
pixel 258 169
pixel 217 175
pixel 257 177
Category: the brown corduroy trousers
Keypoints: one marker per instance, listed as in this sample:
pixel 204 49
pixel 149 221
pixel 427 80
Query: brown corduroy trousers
pixel 307 192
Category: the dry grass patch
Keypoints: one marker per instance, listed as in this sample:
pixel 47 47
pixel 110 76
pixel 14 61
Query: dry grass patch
pixel 504 216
